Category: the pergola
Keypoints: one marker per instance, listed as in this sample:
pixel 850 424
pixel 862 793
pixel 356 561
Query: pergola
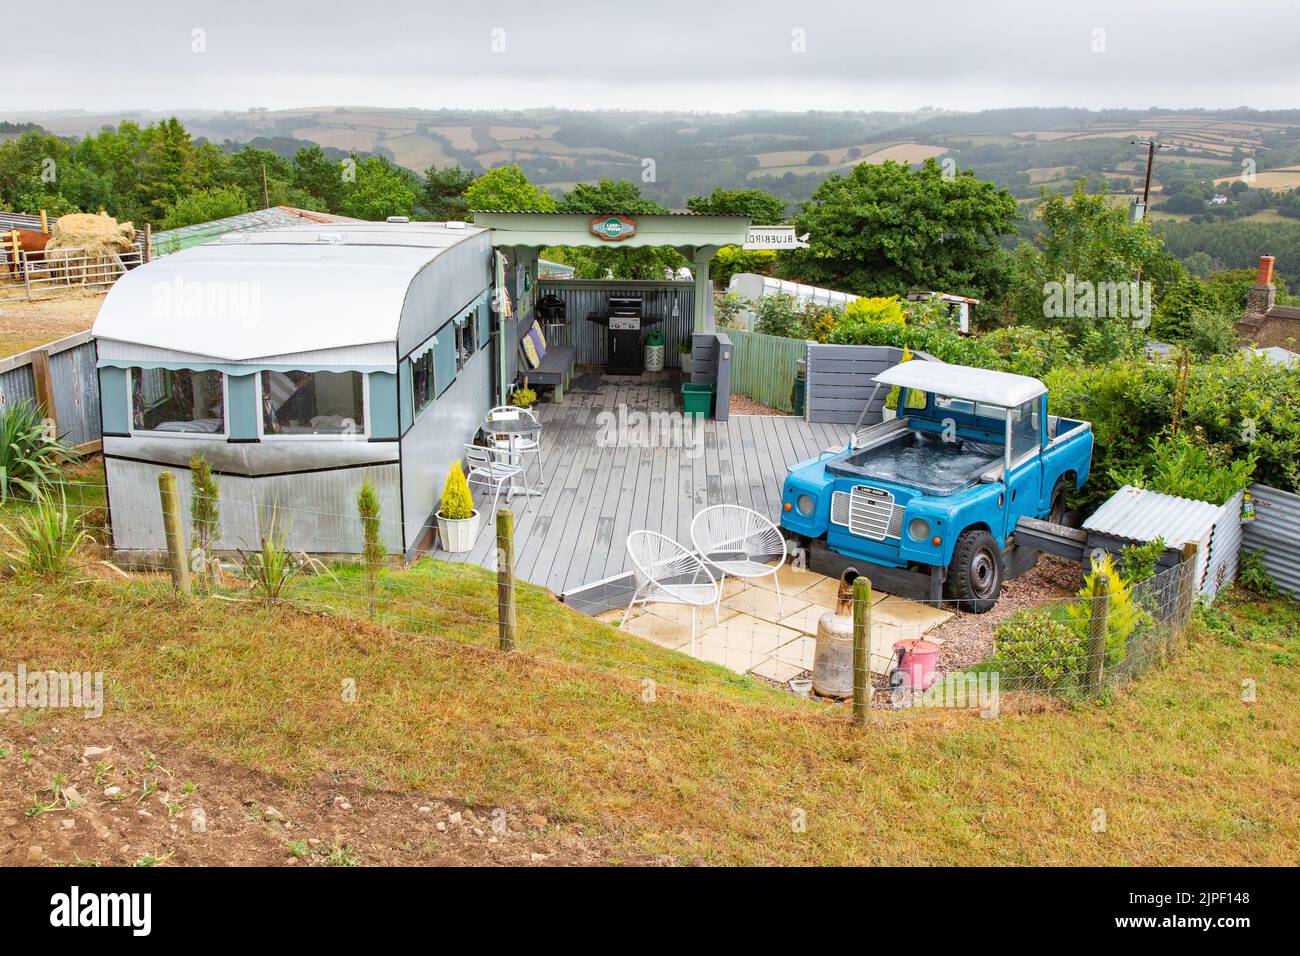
pixel 520 235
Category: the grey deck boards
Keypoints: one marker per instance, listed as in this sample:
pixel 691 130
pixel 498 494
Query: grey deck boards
pixel 593 496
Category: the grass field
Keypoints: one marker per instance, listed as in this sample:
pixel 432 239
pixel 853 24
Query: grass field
pixel 1184 770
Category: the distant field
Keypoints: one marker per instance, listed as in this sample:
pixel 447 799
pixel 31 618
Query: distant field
pixel 418 152
pixel 795 160
pixel 460 137
pixel 340 137
pixel 1286 178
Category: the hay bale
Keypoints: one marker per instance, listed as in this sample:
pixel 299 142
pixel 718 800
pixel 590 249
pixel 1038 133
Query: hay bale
pixel 99 239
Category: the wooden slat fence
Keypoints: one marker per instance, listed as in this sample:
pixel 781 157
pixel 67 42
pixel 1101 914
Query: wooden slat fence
pixel 763 367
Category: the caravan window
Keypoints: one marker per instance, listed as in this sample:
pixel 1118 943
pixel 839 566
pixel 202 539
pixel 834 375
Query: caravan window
pixel 422 390
pixel 178 401
pixel 313 403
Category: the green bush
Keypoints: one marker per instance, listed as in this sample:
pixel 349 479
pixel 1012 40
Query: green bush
pixel 1039 649
pixel 273 565
pixel 31 458
pixel 205 508
pixel 457 502
pixel 1182 467
pixel 372 551
pixel 48 537
pixel 1140 559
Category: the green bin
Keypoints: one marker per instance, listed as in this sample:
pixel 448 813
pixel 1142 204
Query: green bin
pixel 697 398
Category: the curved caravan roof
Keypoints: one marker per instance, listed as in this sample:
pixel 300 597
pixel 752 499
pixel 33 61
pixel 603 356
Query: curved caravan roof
pixel 336 290
pixel 960 381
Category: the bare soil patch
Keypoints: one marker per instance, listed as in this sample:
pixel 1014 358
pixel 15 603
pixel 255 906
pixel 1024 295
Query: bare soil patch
pixel 25 325
pixel 128 798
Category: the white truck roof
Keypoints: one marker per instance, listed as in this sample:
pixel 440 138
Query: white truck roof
pixel 960 381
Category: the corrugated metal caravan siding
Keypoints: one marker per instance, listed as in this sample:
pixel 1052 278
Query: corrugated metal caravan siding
pixel 589 340
pixel 437 436
pixel 1276 532
pixel 320 508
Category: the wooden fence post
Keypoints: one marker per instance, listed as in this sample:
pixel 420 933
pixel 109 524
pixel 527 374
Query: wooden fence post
pixel 507 630
pixel 171 508
pixel 1097 625
pixel 43 385
pixel 861 647
pixel 148 242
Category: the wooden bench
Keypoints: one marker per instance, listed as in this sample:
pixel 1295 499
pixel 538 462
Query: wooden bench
pixel 556 369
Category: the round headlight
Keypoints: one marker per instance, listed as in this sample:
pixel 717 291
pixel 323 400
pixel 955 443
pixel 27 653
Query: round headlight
pixel 806 505
pixel 919 529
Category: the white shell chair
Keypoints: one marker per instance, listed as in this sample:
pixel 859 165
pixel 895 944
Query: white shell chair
pixel 738 542
pixel 667 572
pixel 517 444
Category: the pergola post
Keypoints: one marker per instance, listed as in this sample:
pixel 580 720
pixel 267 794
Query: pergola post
pixel 703 255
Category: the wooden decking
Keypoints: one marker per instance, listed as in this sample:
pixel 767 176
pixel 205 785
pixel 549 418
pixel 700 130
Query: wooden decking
pixel 596 492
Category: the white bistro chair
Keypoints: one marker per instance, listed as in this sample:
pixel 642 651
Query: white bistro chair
pixel 490 467
pixel 669 573
pixel 517 443
pixel 738 542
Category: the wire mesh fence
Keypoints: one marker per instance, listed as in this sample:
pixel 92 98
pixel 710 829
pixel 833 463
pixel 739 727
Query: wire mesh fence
pixel 30 275
pixel 794 638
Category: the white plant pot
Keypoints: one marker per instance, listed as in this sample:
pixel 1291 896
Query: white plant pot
pixel 457 534
pixel 685 359
pixel 888 414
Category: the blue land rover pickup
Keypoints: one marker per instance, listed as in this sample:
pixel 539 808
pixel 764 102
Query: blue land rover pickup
pixel 942 485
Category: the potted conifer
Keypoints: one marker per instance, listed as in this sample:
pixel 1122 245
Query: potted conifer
pixel 457 519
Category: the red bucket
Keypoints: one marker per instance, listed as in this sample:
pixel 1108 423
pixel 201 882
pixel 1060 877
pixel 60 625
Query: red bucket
pixel 919 658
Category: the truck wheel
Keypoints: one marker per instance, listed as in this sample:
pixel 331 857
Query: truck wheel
pixel 975 575
pixel 1057 513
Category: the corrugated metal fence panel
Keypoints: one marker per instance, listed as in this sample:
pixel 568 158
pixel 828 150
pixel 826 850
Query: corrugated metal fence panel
pixel 76 393
pixel 673 301
pixel 16 385
pixel 1276 532
pixel 1224 549
pixel 763 367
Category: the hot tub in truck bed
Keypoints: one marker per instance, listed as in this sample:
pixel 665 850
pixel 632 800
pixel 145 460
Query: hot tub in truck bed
pixel 940 488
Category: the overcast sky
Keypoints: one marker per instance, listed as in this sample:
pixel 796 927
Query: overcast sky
pixel 653 54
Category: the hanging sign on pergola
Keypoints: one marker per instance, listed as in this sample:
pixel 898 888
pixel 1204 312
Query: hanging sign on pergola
pixel 774 237
pixel 613 228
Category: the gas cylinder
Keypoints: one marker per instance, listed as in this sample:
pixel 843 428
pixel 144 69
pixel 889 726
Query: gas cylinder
pixel 833 658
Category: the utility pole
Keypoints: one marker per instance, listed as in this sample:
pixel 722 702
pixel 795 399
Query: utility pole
pixel 1151 146
pixel 266 198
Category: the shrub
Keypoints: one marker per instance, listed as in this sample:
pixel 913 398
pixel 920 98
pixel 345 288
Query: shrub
pixel 876 309
pixel 205 508
pixel 31 457
pixel 1252 574
pixel 787 317
pixel 272 566
pixel 457 502
pixel 1123 618
pixel 1189 469
pixel 1040 649
pixel 372 549
pixel 1139 560
pixel 524 396
pixel 48 537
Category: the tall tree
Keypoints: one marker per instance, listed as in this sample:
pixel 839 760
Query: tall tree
pixel 617 196
pixel 444 189
pixel 379 191
pixel 887 229
pixel 761 207
pixel 506 188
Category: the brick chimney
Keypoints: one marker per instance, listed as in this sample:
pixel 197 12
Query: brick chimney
pixel 1261 296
